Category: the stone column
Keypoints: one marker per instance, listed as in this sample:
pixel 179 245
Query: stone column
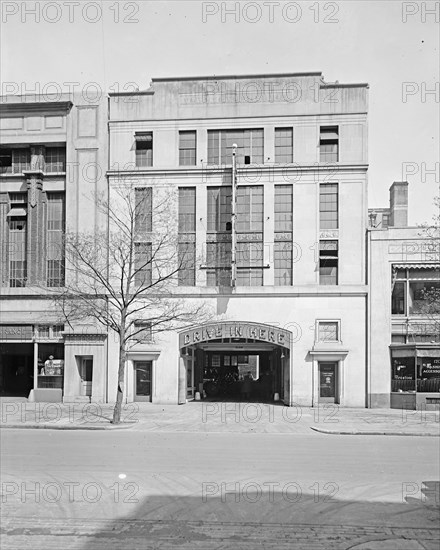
pixel 4 271
pixel 36 373
pixel 35 228
pixel 182 381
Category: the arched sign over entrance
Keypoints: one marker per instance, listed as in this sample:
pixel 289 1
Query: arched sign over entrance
pixel 235 329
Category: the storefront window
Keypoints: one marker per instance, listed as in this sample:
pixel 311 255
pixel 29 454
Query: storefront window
pixel 428 374
pixel 423 297
pixel 50 366
pixel 403 374
pixel 398 299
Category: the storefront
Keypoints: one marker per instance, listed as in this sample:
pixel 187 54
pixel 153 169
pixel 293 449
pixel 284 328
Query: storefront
pixel 31 358
pixel 415 376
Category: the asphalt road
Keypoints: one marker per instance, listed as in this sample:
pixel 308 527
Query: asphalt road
pixel 64 489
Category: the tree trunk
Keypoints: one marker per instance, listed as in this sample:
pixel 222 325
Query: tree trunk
pixel 121 376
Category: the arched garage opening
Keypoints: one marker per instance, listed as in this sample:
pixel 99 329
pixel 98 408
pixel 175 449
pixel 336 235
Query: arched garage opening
pixel 233 361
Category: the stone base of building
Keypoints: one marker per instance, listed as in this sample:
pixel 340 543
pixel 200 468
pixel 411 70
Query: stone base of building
pixel 379 401
pixel 46 395
pixel 416 401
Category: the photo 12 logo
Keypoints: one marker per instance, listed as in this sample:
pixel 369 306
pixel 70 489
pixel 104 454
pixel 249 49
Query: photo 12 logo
pixel 270 12
pixel 269 491
pixel 71 12
pixel 54 492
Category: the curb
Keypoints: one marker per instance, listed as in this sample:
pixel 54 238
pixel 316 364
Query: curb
pixel 358 432
pixel 66 427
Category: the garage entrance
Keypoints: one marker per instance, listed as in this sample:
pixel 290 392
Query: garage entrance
pixel 235 362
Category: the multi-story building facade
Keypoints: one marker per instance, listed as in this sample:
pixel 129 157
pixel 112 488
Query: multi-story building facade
pixel 53 159
pixel 404 318
pixel 281 237
pixel 317 297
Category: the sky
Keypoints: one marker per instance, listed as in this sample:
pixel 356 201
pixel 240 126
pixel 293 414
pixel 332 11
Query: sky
pixel 391 45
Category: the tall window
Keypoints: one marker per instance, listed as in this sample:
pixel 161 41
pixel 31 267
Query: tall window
pixel 328 262
pixel 398 299
pixel 21 160
pixel 142 264
pixel 250 146
pixel 5 160
pixel 17 252
pixel 284 145
pixel 219 237
pixel 283 234
pixel 143 221
pixel 187 148
pixel 55 244
pixel 187 236
pixel 143 214
pixel 144 149
pixel 328 206
pixel 249 229
pixel 55 159
pixel 329 144
pixel 219 209
pixel 218 260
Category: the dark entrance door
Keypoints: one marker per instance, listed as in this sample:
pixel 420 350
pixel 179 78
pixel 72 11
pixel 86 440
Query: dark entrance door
pixel 143 380
pixel 327 382
pixel 16 369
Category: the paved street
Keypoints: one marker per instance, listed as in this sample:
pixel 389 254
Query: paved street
pixel 134 489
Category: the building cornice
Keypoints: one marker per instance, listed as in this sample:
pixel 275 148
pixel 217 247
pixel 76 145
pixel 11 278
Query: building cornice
pixel 8 109
pixel 235 77
pixel 205 170
pixel 131 123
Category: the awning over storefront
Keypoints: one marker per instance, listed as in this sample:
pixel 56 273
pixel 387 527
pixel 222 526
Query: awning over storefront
pixel 415 352
pixel 16 213
pixel 416 266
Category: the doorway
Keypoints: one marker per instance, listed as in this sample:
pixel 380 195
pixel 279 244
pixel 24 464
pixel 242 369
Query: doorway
pixel 328 382
pixel 86 373
pixel 143 380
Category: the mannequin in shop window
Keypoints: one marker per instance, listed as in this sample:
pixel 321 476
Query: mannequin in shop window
pixel 48 366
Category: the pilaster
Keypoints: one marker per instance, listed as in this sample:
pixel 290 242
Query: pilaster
pixel 35 227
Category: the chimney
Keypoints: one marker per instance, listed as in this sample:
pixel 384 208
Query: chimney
pixel 399 204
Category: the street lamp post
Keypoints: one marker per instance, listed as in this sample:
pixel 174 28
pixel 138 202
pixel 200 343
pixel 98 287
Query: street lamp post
pixel 233 216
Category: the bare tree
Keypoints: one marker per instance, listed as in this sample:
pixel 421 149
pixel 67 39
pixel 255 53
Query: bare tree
pixel 430 307
pixel 130 272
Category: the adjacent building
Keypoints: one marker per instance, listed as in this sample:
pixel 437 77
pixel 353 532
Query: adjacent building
pixel 53 157
pixel 404 308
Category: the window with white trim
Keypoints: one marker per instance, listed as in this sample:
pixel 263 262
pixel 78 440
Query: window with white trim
pixel 328 331
pixel 329 144
pixel 144 149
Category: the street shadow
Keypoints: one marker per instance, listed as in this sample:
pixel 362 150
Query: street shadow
pixel 221 517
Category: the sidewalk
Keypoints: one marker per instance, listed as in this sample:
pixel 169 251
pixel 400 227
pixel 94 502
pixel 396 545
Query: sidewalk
pixel 226 417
